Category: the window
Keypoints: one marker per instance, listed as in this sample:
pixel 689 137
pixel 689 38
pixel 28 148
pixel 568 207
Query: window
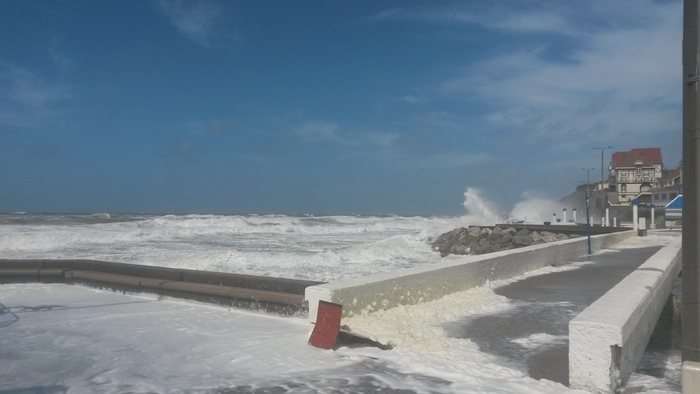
pixel 663 196
pixel 623 188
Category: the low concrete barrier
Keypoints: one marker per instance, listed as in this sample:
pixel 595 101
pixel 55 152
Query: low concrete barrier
pixel 274 294
pixel 430 282
pixel 607 340
pixel 266 283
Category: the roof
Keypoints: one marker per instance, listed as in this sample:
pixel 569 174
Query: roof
pixel 648 156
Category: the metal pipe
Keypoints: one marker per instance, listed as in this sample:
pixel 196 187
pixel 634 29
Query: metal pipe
pixel 691 170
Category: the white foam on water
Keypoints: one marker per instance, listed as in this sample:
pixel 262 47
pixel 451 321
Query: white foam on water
pixel 540 341
pixel 535 208
pixel 88 340
pixel 422 345
pixel 98 341
pixel 318 248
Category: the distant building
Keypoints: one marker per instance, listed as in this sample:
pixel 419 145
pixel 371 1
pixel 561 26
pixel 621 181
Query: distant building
pixel 668 187
pixel 633 175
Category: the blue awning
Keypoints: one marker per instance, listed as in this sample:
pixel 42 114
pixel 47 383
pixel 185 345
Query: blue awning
pixel 674 209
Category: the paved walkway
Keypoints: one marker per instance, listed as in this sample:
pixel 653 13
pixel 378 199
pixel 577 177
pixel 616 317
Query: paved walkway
pixel 535 332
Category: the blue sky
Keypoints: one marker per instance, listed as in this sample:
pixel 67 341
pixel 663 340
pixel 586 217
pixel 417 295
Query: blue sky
pixel 365 107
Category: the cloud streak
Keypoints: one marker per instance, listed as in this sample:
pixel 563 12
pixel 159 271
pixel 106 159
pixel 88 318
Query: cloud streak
pixel 27 99
pixel 601 72
pixel 448 160
pixel 200 21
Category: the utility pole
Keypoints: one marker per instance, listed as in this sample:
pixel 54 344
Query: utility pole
pixel 691 184
pixel 602 165
pixel 588 214
pixel 600 194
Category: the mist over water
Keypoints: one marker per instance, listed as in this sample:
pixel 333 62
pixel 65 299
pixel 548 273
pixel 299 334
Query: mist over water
pixel 479 210
pixel 536 208
pixel 533 208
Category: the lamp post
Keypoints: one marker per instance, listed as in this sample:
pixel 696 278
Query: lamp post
pixel 588 215
pixel 602 178
pixel 600 193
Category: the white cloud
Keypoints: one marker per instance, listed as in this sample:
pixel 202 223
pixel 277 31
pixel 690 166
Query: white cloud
pixel 619 80
pixel 211 127
pixel 448 160
pixel 60 59
pixel 491 16
pixel 583 71
pixel 26 88
pixel 383 140
pixel 198 20
pixel 530 22
pixel 412 99
pixel 441 120
pixel 27 99
pixel 318 131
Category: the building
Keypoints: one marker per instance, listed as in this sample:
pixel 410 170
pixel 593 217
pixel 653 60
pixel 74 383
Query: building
pixel 668 187
pixel 633 176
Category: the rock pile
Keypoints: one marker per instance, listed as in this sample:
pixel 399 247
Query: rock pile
pixel 477 240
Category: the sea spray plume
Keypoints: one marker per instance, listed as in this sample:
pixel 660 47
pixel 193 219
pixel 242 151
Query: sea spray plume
pixel 535 208
pixel 479 211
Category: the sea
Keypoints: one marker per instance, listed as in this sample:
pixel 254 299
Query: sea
pixel 253 351
pixel 313 247
pixel 321 248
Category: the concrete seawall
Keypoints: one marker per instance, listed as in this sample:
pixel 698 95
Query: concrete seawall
pixel 427 283
pixel 285 296
pixel 607 340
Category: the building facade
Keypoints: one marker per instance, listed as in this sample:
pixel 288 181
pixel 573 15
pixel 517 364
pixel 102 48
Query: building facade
pixel 668 187
pixel 634 175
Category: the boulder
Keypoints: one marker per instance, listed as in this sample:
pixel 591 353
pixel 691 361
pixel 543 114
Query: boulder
pixel 536 238
pixel 506 238
pixel 478 240
pixel 522 240
pixel 523 232
pixel 495 236
pixel 548 236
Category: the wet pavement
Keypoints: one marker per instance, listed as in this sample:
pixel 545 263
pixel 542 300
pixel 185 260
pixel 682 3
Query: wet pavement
pixel 533 335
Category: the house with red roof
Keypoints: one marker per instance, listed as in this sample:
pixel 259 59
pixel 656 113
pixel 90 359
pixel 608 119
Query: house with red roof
pixel 634 174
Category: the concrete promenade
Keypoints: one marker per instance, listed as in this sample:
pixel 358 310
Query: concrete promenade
pixel 544 305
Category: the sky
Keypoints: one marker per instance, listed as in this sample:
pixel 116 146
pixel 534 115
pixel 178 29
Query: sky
pixel 326 107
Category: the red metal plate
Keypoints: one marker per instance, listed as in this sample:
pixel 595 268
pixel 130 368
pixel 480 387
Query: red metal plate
pixel 327 325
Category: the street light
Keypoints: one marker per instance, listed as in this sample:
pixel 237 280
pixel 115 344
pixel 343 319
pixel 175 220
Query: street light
pixel 602 178
pixel 588 215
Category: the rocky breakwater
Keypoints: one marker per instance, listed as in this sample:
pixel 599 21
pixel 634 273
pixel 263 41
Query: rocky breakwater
pixel 477 240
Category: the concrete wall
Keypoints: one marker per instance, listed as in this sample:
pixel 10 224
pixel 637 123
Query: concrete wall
pixel 607 340
pixel 280 295
pixel 430 282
